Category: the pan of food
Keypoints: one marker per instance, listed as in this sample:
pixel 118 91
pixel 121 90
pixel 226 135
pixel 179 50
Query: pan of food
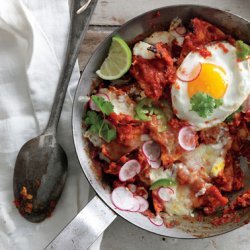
pixel 161 126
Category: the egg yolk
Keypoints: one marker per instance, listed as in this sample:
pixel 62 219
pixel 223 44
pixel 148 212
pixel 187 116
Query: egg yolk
pixel 211 80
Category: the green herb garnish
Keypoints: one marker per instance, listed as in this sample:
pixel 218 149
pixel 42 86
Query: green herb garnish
pixel 105 106
pixel 163 183
pixel 100 126
pixel 242 50
pixel 230 117
pixel 204 104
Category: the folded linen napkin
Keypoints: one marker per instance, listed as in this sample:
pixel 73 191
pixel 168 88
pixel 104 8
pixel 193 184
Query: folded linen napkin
pixel 33 36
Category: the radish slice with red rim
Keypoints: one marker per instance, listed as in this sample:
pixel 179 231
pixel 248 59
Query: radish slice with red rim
pixel 136 207
pixel 123 199
pixel 166 193
pixel 143 204
pixel 181 30
pixel 132 187
pixel 93 106
pixel 129 170
pixel 187 138
pixel 151 150
pixel 157 220
pixel 188 72
pixel 155 164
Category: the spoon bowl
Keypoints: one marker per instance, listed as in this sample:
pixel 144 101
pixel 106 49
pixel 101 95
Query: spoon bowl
pixel 41 165
pixel 39 177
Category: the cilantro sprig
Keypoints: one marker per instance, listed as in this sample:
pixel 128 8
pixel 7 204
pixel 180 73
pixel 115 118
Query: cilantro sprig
pixel 204 105
pixel 100 126
pixel 105 106
pixel 242 50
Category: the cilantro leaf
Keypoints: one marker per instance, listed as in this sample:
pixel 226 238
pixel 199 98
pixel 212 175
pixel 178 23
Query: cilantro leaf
pixel 100 126
pixel 204 104
pixel 93 120
pixel 242 50
pixel 105 106
pixel 107 132
pixel 230 117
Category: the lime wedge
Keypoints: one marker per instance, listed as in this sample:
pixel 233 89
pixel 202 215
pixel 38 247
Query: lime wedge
pixel 118 61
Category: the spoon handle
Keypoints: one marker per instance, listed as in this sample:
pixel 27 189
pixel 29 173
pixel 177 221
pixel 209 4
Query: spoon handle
pixel 78 27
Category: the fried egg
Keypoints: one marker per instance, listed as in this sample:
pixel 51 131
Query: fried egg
pixel 219 75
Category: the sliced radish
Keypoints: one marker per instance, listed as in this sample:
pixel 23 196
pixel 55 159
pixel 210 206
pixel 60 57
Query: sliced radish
pixel 188 72
pixel 187 138
pixel 93 106
pixel 136 207
pixel 132 187
pixel 246 105
pixel 155 164
pixel 143 204
pixel 152 150
pixel 166 193
pixel 181 30
pixel 129 170
pixel 157 220
pixel 123 199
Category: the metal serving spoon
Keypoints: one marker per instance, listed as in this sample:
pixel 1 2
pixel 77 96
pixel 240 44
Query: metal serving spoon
pixel 41 165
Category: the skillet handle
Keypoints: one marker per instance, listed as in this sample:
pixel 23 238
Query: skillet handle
pixel 85 228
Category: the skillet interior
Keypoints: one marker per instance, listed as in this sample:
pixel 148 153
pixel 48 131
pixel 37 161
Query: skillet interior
pixel 142 25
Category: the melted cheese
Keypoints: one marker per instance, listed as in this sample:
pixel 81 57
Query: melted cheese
pixel 180 203
pixel 141 49
pixel 120 103
pixel 160 173
pixel 206 156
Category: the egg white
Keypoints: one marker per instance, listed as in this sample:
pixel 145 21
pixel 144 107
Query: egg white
pixel 238 79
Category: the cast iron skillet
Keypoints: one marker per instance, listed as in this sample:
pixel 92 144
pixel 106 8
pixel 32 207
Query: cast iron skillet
pixel 99 213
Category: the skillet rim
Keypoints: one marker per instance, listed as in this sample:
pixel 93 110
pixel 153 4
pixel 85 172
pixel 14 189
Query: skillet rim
pixel 76 102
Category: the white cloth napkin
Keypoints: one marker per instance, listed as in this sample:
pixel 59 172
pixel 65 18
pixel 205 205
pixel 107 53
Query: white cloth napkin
pixel 33 35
